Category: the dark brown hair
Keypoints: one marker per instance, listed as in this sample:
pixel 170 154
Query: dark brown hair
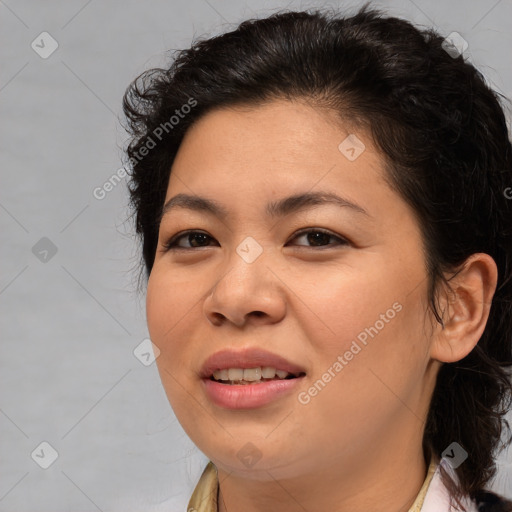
pixel 441 130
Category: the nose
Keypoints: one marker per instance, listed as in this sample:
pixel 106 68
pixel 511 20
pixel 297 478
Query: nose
pixel 246 293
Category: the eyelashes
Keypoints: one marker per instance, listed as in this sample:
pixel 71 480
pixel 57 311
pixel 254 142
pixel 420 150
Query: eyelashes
pixel 172 243
pixel 321 235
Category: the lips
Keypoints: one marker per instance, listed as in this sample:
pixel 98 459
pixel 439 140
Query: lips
pixel 254 394
pixel 247 358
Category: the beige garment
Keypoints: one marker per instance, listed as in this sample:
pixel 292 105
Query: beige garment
pixel 204 497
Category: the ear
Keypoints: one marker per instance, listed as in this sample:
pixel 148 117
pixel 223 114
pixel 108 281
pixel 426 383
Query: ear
pixel 465 309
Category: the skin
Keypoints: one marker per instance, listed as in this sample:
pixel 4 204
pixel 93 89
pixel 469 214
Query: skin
pixel 356 445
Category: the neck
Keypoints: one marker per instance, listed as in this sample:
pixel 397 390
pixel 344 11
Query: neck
pixel 383 480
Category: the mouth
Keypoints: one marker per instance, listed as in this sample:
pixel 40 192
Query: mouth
pixel 251 376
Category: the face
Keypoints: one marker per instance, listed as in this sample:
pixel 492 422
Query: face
pixel 338 289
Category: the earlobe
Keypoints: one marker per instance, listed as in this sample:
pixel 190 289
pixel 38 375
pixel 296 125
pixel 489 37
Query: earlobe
pixel 466 307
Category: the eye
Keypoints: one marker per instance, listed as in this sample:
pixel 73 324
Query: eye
pixel 195 238
pixel 319 237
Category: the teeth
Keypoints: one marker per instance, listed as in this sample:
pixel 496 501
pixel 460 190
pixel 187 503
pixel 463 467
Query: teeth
pixel 221 374
pixel 268 372
pixel 236 374
pixel 252 374
pixel 249 374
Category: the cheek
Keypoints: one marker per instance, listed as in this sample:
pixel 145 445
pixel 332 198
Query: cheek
pixel 167 303
pixel 346 305
pixel 362 327
pixel 373 378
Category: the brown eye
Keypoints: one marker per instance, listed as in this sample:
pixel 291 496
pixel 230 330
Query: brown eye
pixel 194 238
pixel 320 237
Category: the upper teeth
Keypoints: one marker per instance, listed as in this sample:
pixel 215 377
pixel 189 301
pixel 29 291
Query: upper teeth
pixel 249 374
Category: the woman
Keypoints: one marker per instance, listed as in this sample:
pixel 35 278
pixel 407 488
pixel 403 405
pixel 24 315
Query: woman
pixel 326 225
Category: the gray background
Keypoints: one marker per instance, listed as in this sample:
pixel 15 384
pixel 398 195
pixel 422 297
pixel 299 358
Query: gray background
pixel 71 320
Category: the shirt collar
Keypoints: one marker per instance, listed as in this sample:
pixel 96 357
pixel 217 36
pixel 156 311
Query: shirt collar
pixel 205 495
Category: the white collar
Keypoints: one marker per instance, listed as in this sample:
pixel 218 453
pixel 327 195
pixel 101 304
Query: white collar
pixel 437 498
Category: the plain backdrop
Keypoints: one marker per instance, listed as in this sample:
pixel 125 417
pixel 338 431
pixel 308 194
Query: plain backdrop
pixel 71 317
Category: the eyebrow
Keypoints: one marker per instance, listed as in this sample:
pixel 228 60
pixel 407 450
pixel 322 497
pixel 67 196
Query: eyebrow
pixel 279 208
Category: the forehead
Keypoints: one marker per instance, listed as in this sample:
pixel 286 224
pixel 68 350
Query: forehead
pixel 278 126
pixel 278 144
